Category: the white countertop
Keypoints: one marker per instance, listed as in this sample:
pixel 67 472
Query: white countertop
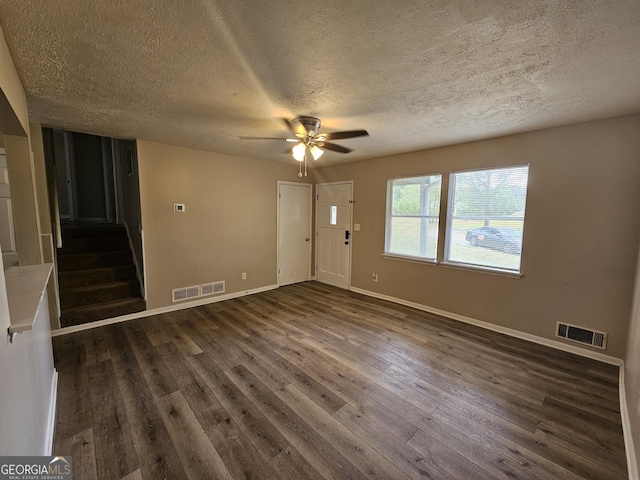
pixel 26 287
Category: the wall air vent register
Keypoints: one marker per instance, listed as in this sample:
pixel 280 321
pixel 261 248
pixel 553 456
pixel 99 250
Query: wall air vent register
pixel 187 293
pixel 582 335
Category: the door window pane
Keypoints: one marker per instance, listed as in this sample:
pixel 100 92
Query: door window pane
pixel 334 215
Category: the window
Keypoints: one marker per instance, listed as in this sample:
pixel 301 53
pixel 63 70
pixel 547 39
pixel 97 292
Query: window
pixel 413 208
pixel 485 217
pixel 334 215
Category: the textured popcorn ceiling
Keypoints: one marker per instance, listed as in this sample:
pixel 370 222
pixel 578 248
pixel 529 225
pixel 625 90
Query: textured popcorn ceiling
pixel 415 74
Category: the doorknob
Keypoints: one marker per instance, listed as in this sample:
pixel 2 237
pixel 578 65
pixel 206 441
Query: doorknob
pixel 347 234
pixel 306 239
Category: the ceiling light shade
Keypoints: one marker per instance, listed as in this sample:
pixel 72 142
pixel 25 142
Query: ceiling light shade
pixel 299 151
pixel 316 152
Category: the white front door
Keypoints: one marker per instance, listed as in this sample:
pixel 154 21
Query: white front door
pixel 333 220
pixel 294 232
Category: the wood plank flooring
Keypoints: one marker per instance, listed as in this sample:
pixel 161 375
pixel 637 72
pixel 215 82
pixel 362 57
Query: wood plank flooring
pixel 313 382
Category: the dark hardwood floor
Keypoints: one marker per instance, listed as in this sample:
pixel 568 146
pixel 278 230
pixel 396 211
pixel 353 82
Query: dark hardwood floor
pixel 313 382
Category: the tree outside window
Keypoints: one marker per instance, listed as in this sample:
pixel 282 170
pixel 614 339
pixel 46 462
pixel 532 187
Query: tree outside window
pixel 413 207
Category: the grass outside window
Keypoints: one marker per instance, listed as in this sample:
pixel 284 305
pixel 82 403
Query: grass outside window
pixel 413 207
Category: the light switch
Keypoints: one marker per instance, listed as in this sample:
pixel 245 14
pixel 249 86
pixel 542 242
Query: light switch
pixel 356 227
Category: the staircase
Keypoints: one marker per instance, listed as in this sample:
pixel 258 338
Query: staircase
pixel 96 274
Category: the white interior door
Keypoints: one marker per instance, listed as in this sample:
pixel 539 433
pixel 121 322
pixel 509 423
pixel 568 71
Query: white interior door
pixel 294 232
pixel 333 220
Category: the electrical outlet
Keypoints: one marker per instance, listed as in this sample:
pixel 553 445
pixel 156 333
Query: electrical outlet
pixel 244 275
pixel 375 277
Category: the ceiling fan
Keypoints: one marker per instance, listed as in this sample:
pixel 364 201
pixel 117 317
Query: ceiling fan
pixel 309 140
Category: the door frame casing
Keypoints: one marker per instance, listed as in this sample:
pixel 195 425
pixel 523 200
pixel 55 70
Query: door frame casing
pixel 351 202
pixel 108 179
pixel 69 163
pixel 278 253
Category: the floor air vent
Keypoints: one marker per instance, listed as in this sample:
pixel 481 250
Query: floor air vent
pixel 185 293
pixel 211 288
pixel 180 294
pixel 582 335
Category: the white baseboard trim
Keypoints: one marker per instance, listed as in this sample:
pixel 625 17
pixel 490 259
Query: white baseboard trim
pixel 497 328
pixel 632 463
pixel 51 421
pixel 158 311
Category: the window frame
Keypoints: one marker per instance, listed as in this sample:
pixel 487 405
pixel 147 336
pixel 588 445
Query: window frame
pixel 449 217
pixel 389 217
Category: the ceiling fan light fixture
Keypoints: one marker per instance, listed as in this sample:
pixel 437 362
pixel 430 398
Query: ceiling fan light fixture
pixel 298 151
pixel 316 152
pixel 306 131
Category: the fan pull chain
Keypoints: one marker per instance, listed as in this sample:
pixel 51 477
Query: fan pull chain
pixel 305 163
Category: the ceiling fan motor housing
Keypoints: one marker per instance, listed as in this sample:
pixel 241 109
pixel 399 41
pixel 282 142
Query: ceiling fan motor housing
pixel 310 124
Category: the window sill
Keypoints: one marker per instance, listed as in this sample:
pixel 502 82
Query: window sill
pixel 479 269
pixel 457 266
pixel 404 258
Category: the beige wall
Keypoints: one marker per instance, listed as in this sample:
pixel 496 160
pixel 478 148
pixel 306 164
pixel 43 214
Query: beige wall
pixel 24 199
pixel 632 370
pixel 13 103
pixel 580 239
pixel 229 225
pixel 26 366
pixel 130 189
pixel 40 171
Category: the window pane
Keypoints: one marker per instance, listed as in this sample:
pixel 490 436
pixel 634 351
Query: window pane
pixel 486 217
pixel 413 207
pixel 415 237
pixel 334 215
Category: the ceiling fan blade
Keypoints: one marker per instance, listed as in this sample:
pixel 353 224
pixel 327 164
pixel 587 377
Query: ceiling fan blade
pixel 297 129
pixel 347 134
pixel 288 125
pixel 334 147
pixel 271 138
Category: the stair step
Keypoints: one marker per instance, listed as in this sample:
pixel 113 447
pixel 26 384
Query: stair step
pixel 72 246
pixel 91 294
pixel 100 311
pixel 94 276
pixel 93 231
pixel 93 260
